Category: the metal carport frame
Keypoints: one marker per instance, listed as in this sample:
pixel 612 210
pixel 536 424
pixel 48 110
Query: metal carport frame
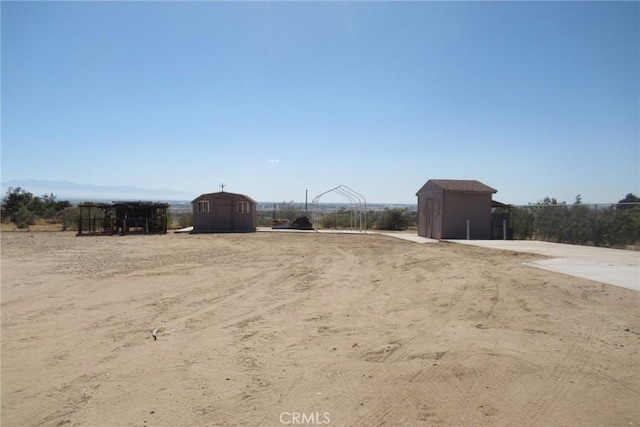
pixel 357 200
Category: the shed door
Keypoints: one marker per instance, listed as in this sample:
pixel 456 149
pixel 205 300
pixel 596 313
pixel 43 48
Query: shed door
pixel 222 214
pixel 422 219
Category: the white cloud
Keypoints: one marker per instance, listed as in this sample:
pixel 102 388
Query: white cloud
pixel 274 161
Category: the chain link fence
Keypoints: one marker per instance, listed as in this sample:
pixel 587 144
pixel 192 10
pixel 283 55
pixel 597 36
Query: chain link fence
pixel 612 224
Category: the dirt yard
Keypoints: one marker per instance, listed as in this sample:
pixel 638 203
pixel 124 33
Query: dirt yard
pixel 272 329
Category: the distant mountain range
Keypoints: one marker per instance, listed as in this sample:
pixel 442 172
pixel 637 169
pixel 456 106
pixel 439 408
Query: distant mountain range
pixel 77 193
pixel 66 190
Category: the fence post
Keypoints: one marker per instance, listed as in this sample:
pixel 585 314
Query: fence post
pixel 468 230
pixel 504 229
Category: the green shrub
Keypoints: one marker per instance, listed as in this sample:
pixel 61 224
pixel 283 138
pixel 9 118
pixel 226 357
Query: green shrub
pixel 185 219
pixel 615 225
pixel 68 218
pixel 24 217
pixel 342 219
pixel 394 219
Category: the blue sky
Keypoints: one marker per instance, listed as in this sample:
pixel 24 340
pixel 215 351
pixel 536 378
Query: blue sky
pixel 273 98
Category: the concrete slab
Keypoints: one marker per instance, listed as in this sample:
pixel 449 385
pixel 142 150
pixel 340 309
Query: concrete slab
pixel 612 266
pixel 560 250
pixel 404 236
pixel 625 276
pixel 185 230
pixel 411 237
pixel 293 230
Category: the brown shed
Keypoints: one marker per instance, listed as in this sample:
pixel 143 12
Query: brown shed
pixel 445 206
pixel 224 212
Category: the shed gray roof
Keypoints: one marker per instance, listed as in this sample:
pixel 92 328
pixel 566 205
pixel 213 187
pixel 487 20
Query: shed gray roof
pixel 223 193
pixel 460 185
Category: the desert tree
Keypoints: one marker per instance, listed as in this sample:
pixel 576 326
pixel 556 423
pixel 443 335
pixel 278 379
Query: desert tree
pixel 16 198
pixel 627 202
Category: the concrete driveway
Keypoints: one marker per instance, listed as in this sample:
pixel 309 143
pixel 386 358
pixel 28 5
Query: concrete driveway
pixel 612 266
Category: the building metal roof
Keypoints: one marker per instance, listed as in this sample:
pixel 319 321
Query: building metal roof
pixel 139 204
pixel 127 204
pixel 497 204
pixel 223 193
pixel 459 185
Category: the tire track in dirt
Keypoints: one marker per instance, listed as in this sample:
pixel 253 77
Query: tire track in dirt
pixel 510 373
pixel 614 388
pixel 182 413
pixel 499 305
pixel 510 378
pixel 547 399
pixel 450 369
pixel 240 295
pixel 306 331
pixel 298 276
pixel 284 305
pixel 156 400
pixel 389 361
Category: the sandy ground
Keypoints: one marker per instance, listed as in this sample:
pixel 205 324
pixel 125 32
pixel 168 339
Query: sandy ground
pixel 271 329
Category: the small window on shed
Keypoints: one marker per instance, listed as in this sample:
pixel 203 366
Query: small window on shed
pixel 243 207
pixel 203 206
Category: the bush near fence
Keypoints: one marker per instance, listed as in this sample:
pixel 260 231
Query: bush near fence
pixel 386 219
pixel 614 225
pixel 23 208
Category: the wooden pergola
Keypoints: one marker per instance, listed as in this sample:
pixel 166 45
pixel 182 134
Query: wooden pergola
pixel 122 218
